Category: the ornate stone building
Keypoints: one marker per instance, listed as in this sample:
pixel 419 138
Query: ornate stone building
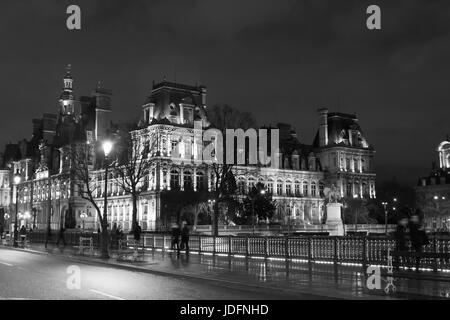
pixel 174 121
pixel 433 192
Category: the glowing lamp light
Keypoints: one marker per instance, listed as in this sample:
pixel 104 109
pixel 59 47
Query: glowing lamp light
pixel 435 197
pixel 263 192
pixel 27 215
pixel 17 177
pixel 107 147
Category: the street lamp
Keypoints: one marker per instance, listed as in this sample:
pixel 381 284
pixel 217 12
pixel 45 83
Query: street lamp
pixel 385 216
pixel 17 179
pixel 83 216
pixel 355 196
pixel 107 148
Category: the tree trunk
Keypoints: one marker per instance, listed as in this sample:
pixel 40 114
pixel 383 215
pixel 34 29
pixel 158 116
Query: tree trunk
pixel 134 214
pixel 215 219
pixel 104 242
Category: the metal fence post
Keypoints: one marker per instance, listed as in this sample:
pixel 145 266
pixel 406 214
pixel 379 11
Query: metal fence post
pixel 286 247
pixel 199 244
pixel 335 249
pixel 310 249
pixel 266 247
pixel 229 245
pixel 364 260
pixel 435 264
pixel 246 246
pixel 214 244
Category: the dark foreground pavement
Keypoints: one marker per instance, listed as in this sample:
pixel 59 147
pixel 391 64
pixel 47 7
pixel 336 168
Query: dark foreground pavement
pixel 26 275
pixel 40 273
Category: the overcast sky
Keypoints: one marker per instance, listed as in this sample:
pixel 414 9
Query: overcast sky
pixel 280 60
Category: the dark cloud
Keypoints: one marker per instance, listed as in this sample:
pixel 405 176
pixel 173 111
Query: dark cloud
pixel 280 60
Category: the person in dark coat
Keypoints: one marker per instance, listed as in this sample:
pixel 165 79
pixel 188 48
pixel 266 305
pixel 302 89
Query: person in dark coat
pixel 185 237
pixel 23 234
pixel 61 236
pixel 400 236
pixel 417 237
pixel 175 237
pixel 137 232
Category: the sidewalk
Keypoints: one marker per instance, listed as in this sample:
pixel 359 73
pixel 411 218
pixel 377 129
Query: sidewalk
pixel 322 279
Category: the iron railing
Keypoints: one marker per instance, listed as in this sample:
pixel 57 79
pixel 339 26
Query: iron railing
pixel 363 250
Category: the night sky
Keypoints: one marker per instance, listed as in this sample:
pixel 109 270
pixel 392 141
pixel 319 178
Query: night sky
pixel 280 60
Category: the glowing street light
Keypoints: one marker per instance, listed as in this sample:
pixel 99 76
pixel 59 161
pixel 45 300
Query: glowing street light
pixel 83 216
pixel 107 147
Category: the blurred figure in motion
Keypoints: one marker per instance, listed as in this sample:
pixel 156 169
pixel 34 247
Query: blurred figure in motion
pixel 137 232
pixel 400 234
pixel 417 235
pixel 23 235
pixel 175 237
pixel 61 236
pixel 185 237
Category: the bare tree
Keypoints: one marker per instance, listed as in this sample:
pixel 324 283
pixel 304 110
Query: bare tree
pixel 86 182
pixel 224 117
pixel 132 167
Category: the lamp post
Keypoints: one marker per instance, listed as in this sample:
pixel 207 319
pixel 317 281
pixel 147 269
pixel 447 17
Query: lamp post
pixel 17 179
pixel 83 216
pixel 385 216
pixel 355 196
pixel 107 148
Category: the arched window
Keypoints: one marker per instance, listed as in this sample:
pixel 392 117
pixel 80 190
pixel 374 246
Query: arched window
pixel 200 181
pixel 241 186
pixel 363 165
pixel 366 192
pixel 174 180
pixel 279 187
pixel 251 183
pixel 313 189
pixel 321 188
pixel 305 188
pixel 288 188
pixel 297 188
pixel 349 189
pixel 270 186
pixel 187 180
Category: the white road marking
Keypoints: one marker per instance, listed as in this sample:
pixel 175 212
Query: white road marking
pixel 106 295
pixel 6 264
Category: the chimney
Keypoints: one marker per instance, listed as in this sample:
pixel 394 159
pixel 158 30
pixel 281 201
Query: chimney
pixel 323 127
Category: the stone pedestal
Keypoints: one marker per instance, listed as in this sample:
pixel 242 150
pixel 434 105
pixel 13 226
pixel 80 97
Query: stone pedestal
pixel 334 221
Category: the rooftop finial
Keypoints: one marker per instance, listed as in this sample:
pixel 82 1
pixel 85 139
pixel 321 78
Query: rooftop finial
pixel 447 139
pixel 164 79
pixel 99 84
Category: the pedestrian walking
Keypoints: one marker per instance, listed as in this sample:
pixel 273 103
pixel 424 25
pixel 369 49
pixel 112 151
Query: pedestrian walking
pixel 23 235
pixel 137 232
pixel 175 237
pixel 61 236
pixel 418 236
pixel 400 235
pixel 185 237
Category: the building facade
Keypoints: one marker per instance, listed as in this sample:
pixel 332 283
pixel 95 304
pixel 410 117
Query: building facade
pixel 433 192
pixel 173 123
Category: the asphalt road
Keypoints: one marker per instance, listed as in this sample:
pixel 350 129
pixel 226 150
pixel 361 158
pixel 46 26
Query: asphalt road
pixel 25 275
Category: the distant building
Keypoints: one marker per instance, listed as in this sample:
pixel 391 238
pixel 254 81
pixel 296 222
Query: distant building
pixel 433 192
